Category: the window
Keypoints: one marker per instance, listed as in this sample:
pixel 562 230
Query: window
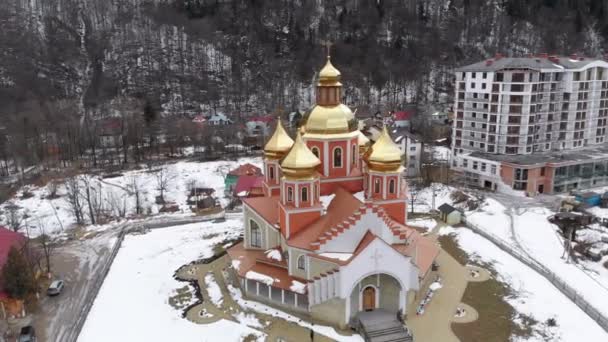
pixel 354 154
pixel 493 169
pixel 484 75
pixel 483 167
pixel 472 85
pixel 255 234
pixel 475 165
pixel 473 75
pixel 315 151
pixel 413 148
pixel 377 185
pixel 271 172
pixel 304 194
pixel 391 186
pixel 337 157
pixel 465 163
pixel 289 194
pixel 301 262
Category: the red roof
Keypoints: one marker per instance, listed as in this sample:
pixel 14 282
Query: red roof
pixel 403 115
pixel 264 119
pixel 341 206
pixel 266 207
pixel 247 183
pixel 246 170
pixel 8 239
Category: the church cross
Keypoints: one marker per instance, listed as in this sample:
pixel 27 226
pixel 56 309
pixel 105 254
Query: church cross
pixel 376 256
pixel 327 45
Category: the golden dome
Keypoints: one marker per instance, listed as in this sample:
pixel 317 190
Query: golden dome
pixel 300 162
pixel 384 155
pixel 329 75
pixel 328 120
pixel 279 143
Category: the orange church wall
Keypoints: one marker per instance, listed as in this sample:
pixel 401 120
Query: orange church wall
pixel 396 210
pixel 298 221
pixel 350 185
pixel 337 171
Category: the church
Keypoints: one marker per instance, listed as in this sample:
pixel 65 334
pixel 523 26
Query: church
pixel 329 239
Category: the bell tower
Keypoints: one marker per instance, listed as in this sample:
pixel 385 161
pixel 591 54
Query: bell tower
pixel 300 189
pixel 275 149
pixel 384 183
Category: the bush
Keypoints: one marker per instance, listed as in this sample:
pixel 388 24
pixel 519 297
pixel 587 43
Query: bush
pixel 552 322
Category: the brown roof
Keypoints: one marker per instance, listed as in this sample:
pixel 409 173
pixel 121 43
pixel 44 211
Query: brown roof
pixel 341 207
pixel 246 170
pixel 421 249
pixel 267 207
pixel 256 261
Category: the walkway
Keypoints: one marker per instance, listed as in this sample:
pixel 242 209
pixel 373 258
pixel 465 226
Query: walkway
pixel 435 323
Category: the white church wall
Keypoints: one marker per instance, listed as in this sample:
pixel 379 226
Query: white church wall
pixel 347 241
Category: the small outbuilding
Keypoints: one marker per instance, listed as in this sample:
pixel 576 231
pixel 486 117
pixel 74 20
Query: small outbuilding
pixel 449 214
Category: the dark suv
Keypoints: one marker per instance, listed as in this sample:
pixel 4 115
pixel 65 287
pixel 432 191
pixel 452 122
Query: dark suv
pixel 28 334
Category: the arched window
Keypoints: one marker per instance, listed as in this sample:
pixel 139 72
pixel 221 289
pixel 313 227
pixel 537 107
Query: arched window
pixel 337 157
pixel 391 186
pixel 315 151
pixel 377 185
pixel 255 234
pixel 289 194
pixel 304 194
pixel 301 262
pixel 354 154
pixel 271 172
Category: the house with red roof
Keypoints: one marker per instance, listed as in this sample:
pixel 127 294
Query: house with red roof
pixel 402 118
pixel 233 176
pixel 9 239
pixel 329 239
pixel 259 125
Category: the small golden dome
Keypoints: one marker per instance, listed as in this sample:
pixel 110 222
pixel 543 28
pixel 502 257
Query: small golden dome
pixel 362 140
pixel 329 74
pixel 279 143
pixel 328 120
pixel 384 155
pixel 300 162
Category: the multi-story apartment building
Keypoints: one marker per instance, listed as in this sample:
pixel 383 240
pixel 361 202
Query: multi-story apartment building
pixel 526 110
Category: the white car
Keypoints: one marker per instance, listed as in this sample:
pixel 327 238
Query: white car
pixel 55 288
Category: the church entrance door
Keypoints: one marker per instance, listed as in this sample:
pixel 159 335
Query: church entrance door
pixel 369 298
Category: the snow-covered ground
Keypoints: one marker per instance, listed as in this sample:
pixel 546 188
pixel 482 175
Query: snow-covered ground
pixel 535 296
pixel 132 304
pixel 534 235
pixel 55 216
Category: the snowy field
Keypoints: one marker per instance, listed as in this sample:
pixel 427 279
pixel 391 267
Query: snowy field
pixel 132 304
pixel 116 194
pixel 534 235
pixel 536 296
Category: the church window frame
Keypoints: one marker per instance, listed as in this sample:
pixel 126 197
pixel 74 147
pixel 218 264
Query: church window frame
pixel 289 194
pixel 255 234
pixel 304 194
pixel 377 185
pixel 337 157
pixel 271 172
pixel 301 262
pixel 354 154
pixel 315 150
pixel 391 186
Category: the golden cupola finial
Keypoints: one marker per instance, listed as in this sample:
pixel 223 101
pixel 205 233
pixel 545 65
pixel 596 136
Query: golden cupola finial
pixel 279 143
pixel 329 75
pixel 384 155
pixel 300 162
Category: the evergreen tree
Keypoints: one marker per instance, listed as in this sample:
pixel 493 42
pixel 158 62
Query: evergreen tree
pixel 17 276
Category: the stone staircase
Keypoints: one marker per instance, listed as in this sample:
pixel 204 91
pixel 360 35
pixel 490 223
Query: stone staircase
pixel 382 326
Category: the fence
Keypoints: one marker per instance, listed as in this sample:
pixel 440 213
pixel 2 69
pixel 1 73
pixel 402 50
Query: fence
pixel 553 278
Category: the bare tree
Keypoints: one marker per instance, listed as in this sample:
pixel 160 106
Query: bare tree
pixel 14 217
pixel 135 188
pixel 47 246
pixel 117 204
pixel 73 187
pixel 52 187
pixel 163 178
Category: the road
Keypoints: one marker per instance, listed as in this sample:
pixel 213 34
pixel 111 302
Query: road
pixel 78 263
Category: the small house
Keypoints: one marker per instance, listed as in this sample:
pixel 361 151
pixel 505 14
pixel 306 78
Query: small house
pixel 249 186
pixel 233 176
pixel 449 214
pixel 402 118
pixel 219 119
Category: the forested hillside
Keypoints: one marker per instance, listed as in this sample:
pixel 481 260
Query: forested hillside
pixel 69 60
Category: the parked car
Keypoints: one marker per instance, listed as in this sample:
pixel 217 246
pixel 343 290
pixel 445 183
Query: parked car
pixel 28 334
pixel 55 288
